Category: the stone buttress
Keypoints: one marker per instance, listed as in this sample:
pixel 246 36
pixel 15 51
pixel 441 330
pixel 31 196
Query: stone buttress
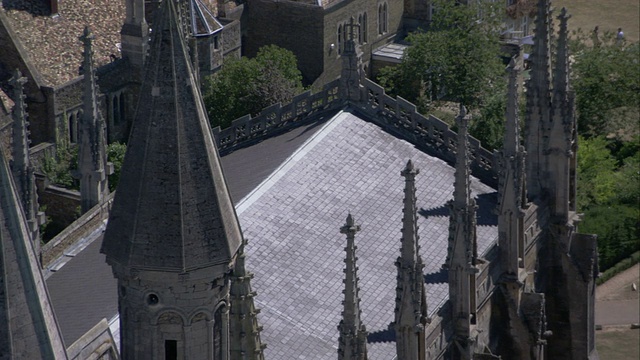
pixel 28 327
pixel 173 234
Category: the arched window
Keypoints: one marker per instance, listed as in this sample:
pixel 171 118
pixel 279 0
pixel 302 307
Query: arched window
pixel 384 18
pixel 122 104
pixel 345 36
pixel 364 27
pixel 73 128
pixel 116 109
pixel 340 39
pixel 360 31
pixel 380 19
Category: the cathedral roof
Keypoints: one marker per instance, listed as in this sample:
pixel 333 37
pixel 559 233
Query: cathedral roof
pixel 172 210
pixel 50 41
pixel 28 328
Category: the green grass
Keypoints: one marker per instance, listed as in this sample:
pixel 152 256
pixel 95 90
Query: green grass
pixel 609 15
pixel 618 344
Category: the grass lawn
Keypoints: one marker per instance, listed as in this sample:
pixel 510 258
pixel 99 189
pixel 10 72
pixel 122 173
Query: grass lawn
pixel 618 344
pixel 609 15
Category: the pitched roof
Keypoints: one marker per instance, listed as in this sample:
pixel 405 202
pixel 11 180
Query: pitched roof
pixel 172 211
pixel 51 43
pixel 296 251
pixel 28 328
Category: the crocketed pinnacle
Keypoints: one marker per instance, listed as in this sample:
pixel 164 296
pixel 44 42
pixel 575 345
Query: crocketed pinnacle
pixel 462 190
pixel 511 144
pixel 92 150
pixel 171 151
pixel 411 304
pixel 561 73
pixel 20 147
pixel 28 328
pixel 244 330
pixel 352 339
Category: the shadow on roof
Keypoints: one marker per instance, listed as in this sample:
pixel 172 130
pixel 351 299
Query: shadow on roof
pixel 381 336
pixel 440 277
pixel 485 215
pixel 35 8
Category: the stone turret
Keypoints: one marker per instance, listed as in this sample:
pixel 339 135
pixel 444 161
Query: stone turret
pixel 173 233
pixel 23 172
pixel 352 340
pixel 511 187
pixel 28 327
pixel 538 110
pixel 245 343
pixel 462 254
pixel 135 33
pixel 93 167
pixel 350 79
pixel 411 305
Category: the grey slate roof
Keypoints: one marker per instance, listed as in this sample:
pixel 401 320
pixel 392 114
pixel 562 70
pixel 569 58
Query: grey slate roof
pixel 171 173
pixel 296 251
pixel 28 329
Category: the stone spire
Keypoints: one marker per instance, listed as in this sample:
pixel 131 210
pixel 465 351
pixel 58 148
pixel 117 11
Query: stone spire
pixel 135 33
pixel 23 172
pixel 350 79
pixel 411 306
pixel 92 151
pixel 561 143
pixel 462 252
pixel 538 101
pixel 173 233
pixel 353 334
pixel 244 330
pixel 511 187
pixel 28 328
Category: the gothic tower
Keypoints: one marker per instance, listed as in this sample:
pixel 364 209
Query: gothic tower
pixel 23 172
pixel 462 254
pixel 411 314
pixel 135 33
pixel 352 340
pixel 92 151
pixel 173 234
pixel 28 328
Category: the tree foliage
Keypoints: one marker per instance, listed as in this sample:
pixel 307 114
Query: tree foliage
pixel 246 86
pixel 115 155
pixel 606 80
pixel 457 59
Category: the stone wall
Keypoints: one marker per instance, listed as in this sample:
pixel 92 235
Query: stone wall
pixel 77 230
pixel 62 205
pixel 297 27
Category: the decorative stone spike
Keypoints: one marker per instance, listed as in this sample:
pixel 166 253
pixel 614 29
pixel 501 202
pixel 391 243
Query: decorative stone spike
pixel 411 305
pixel 352 341
pixel 351 76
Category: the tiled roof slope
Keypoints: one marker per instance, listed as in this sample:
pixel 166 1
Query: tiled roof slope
pixel 172 210
pixel 296 251
pixel 52 42
pixel 28 328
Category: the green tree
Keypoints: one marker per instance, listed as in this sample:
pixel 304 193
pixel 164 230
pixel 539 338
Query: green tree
pixel 596 174
pixel 458 59
pixel 246 86
pixel 606 80
pixel 115 155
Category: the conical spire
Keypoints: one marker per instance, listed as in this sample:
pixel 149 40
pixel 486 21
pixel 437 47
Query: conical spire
pixel 92 151
pixel 28 328
pixel 353 334
pixel 172 211
pixel 411 305
pixel 511 188
pixel 350 78
pixel 244 331
pixel 23 172
pixel 538 100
